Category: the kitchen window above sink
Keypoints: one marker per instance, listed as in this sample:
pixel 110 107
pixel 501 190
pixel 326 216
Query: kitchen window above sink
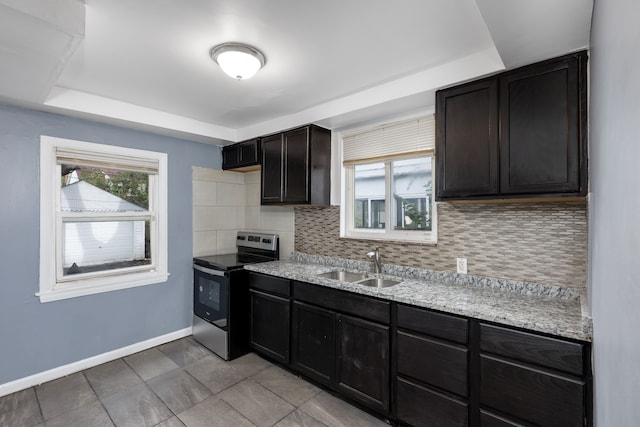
pixel 388 183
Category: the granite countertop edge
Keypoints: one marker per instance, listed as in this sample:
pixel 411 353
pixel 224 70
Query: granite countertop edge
pixel 547 309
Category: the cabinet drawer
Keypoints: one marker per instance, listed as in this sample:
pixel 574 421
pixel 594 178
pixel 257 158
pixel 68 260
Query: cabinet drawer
pixel 345 302
pixel 487 419
pixel 431 362
pixel 419 406
pixel 529 394
pixel 271 284
pixel 431 323
pixel 539 350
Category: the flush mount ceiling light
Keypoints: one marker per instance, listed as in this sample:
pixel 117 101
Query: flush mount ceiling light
pixel 239 61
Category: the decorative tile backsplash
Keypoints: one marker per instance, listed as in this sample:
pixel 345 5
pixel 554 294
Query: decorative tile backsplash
pixel 531 242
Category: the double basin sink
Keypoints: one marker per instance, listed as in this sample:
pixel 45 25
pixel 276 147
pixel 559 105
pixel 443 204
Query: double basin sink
pixel 363 279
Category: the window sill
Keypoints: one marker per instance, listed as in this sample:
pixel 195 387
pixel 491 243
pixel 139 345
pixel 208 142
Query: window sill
pixel 99 285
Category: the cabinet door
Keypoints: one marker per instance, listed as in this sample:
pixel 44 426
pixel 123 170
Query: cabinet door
pixel 313 342
pixel 271 172
pixel 296 166
pixel 540 128
pixel 248 152
pixel 467 140
pixel 229 156
pixel 270 325
pixel 363 361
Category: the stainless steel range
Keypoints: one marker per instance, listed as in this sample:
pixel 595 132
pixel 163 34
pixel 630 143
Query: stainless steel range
pixel 221 294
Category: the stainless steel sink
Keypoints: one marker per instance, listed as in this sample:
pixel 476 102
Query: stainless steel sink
pixel 376 282
pixel 344 276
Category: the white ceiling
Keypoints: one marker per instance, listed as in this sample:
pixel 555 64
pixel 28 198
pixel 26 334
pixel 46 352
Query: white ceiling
pixel 146 64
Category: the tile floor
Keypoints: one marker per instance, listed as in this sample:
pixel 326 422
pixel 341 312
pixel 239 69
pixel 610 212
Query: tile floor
pixel 180 383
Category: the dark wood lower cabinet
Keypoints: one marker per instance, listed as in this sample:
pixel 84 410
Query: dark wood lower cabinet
pixel 270 325
pixel 502 376
pixel 333 344
pixel 419 406
pixel 313 342
pixel 363 361
pixel 537 396
pixel 420 367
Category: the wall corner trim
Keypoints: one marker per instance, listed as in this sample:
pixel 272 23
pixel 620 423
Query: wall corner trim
pixel 90 362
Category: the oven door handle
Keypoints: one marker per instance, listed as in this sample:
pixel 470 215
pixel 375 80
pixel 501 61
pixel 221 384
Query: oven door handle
pixel 209 270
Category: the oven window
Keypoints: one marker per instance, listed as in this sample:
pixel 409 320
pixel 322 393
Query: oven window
pixel 210 294
pixel 211 300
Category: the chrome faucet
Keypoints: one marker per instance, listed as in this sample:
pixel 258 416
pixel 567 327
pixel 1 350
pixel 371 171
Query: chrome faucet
pixel 377 263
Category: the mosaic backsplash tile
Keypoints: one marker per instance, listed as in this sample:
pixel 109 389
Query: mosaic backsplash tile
pixel 530 242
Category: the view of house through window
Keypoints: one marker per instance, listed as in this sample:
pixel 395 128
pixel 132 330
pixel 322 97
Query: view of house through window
pixel 388 182
pixel 410 196
pixel 369 185
pixel 411 190
pixel 103 218
pixel 92 239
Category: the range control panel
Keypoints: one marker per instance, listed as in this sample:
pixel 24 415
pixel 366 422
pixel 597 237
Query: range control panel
pixel 249 239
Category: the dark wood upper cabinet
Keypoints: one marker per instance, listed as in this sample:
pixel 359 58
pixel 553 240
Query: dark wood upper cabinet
pixel 519 134
pixel 296 167
pixel 243 155
pixel 296 155
pixel 540 128
pixel 467 140
pixel 272 173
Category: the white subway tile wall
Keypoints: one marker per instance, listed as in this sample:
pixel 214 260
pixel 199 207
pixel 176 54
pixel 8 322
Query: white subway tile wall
pixel 225 202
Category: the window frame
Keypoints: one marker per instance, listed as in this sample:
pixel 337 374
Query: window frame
pixel 388 233
pixel 53 286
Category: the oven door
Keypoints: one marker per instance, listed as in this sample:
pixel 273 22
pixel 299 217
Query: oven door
pixel 211 296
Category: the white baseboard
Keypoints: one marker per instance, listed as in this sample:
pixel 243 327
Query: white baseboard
pixel 80 365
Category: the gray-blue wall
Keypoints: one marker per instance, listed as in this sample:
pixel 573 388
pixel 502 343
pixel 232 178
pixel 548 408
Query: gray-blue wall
pixel 615 211
pixel 35 337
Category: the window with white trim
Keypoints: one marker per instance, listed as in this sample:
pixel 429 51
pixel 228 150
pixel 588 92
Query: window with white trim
pixel 103 218
pixel 388 182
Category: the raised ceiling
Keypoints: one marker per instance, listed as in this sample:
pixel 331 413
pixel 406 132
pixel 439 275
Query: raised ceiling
pixel 146 63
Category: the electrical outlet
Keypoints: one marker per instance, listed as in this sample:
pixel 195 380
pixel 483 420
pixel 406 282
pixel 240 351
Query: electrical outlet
pixel 462 265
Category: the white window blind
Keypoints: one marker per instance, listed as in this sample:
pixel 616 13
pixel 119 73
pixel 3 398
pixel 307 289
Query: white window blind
pixel 80 157
pixel 391 140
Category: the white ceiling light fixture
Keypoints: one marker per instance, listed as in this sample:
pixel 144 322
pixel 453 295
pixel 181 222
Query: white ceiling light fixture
pixel 238 60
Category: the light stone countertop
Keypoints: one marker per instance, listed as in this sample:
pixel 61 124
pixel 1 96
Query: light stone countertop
pixel 548 309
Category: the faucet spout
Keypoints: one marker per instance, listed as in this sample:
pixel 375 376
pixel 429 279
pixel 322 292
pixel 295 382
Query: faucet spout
pixel 377 260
